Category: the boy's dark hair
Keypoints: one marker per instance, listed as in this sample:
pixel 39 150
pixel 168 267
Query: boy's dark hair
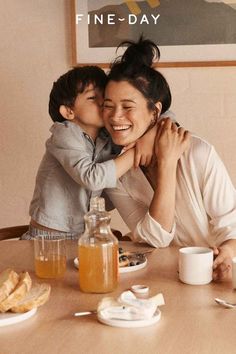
pixel 69 85
pixel 135 67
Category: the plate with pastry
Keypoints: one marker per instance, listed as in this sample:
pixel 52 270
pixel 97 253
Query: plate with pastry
pixel 19 299
pixel 131 261
pixel 128 261
pixel 9 318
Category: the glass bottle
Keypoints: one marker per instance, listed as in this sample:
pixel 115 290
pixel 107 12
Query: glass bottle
pixel 98 251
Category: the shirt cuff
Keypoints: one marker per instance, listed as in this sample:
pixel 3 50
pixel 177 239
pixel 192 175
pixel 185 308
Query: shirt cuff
pixel 150 231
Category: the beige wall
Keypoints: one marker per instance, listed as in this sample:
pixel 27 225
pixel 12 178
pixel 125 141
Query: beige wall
pixel 35 50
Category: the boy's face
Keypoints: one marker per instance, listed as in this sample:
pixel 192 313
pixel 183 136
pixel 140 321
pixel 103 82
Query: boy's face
pixel 88 108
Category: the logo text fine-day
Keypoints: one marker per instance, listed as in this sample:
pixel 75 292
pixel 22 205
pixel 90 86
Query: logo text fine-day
pixel 113 19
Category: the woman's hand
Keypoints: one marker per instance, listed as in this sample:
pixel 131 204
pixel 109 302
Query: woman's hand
pixel 171 141
pixel 222 266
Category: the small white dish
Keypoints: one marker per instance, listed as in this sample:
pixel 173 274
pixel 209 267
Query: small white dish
pixel 121 269
pixel 10 318
pixel 129 323
pixel 140 289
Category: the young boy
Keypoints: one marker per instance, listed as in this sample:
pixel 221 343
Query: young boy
pixel 79 159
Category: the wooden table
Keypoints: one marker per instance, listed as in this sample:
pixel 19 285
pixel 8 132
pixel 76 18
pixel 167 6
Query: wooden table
pixel 191 321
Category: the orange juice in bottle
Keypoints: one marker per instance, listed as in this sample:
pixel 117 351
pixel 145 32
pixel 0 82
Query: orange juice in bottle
pixel 98 251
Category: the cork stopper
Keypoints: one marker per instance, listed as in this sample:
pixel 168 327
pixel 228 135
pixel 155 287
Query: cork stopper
pixel 97 203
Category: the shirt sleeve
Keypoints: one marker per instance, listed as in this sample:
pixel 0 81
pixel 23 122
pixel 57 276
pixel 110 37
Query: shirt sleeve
pixel 71 151
pixel 136 216
pixel 169 114
pixel 219 196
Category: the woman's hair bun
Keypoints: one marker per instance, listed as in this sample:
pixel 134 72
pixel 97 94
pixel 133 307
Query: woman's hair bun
pixel 141 53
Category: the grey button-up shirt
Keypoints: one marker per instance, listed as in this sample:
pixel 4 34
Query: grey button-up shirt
pixel 73 170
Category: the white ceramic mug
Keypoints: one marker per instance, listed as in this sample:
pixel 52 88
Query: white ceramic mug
pixel 195 265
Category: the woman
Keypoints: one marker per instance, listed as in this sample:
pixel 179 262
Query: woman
pixel 185 197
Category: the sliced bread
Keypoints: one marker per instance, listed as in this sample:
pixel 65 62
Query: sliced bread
pixel 19 292
pixel 8 281
pixel 36 297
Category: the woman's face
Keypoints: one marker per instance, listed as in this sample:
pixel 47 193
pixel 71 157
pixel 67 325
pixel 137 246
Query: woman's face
pixel 125 113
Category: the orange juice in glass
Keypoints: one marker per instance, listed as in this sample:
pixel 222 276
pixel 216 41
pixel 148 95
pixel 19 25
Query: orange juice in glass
pixel 50 256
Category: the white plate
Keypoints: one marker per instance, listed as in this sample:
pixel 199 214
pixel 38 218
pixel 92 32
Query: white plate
pixel 10 318
pixel 133 268
pixel 131 324
pixel 121 269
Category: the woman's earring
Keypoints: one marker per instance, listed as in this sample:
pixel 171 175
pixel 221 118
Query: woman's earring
pixel 153 122
pixel 156 116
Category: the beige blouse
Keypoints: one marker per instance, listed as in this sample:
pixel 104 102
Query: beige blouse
pixel 205 211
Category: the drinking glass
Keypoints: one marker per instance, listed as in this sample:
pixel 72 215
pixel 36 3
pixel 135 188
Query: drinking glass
pixel 50 256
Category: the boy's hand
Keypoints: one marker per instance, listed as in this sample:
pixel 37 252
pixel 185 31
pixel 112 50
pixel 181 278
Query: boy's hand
pixel 143 152
pixel 144 148
pixel 129 146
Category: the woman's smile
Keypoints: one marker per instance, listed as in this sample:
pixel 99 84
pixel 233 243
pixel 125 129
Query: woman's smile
pixel 120 127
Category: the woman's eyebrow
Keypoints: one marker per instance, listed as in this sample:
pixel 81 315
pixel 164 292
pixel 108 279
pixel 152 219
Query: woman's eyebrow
pixel 127 100
pixel 124 100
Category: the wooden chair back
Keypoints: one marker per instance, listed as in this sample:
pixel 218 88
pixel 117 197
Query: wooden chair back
pixel 13 232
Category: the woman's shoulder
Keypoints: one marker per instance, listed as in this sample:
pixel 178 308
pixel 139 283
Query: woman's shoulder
pixel 199 147
pixel 199 154
pixel 197 157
